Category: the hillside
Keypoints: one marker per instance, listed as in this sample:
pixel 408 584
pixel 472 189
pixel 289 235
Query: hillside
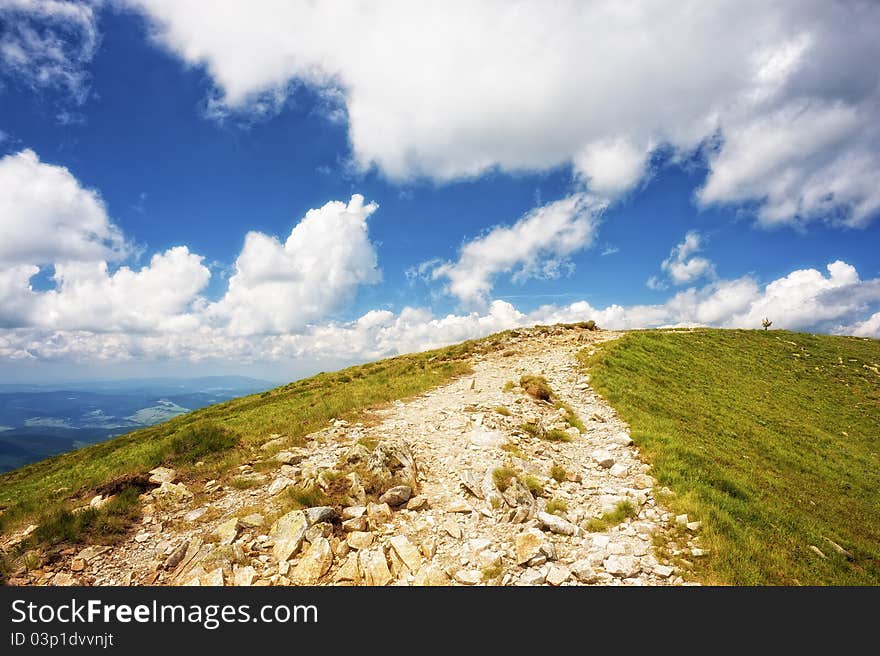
pixel 771 439
pixel 494 461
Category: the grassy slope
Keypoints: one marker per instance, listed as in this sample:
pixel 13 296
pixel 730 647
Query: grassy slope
pixel 771 438
pixel 293 411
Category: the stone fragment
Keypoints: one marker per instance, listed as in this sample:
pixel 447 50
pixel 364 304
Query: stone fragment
pixel 396 496
pixel 583 571
pixel 349 570
pixel 279 485
pixel 314 564
pixel 354 524
pixel 228 531
pixel 379 513
pixel 407 552
pixel 161 475
pixel 288 533
pixel 558 574
pixel 527 545
pixel 468 576
pixel 176 556
pixel 374 567
pixel 254 520
pixel 318 514
pixel 244 576
pixel 602 458
pixel 359 539
pixel 622 566
pixel 418 502
pixel 557 524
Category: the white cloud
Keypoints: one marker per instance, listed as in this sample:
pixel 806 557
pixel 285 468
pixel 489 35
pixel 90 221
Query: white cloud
pixel 48 43
pixel 787 91
pixel 282 287
pixel 870 327
pixel 682 266
pixel 538 245
pixel 47 216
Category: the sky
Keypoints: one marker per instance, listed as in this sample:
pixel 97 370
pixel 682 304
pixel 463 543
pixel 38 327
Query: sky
pixel 275 188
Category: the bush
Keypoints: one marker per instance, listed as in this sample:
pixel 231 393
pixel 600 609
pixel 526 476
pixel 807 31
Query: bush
pixel 103 524
pixel 503 476
pixel 556 506
pixel 556 435
pixel 558 474
pixel 536 387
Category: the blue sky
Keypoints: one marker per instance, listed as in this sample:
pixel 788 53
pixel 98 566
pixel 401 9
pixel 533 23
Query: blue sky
pixel 550 188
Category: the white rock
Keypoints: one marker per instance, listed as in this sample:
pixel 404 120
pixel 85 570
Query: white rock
pixel 161 475
pixel 556 524
pixel 469 576
pixel 583 571
pixel 618 470
pixel 558 574
pixel 622 438
pixel 663 571
pixel 487 438
pixel 527 545
pixel 279 485
pixel 603 458
pixel 622 566
pixel 407 552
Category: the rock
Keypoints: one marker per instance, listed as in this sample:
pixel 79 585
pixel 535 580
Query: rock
pixel 694 526
pixel 489 558
pixel 319 530
pixel 573 432
pixel 161 475
pixel 359 539
pixel 195 515
pixel 353 511
pixel 356 455
pixel 288 457
pixel 279 485
pixel 558 574
pixel 98 501
pixel 459 506
pixel 397 495
pixel 622 438
pixel 349 570
pixel 643 482
pixel 314 564
pixel 471 483
pixel 556 524
pixel 816 550
pixel 393 458
pixel 274 440
pixel 254 520
pixel 696 552
pixel 843 552
pixel 94 551
pixel 374 567
pixel 173 492
pixel 618 470
pixel 532 577
pixel 63 579
pixel 379 513
pixel 77 565
pixel 176 556
pixel 318 514
pixel 583 571
pixel 407 552
pixel 663 571
pixel 214 578
pixel 418 502
pixel 228 531
pixel 490 439
pixel 469 576
pixel 288 533
pixel 602 458
pixel 681 520
pixel 527 545
pixel 244 576
pixel 142 537
pixel 432 575
pixel 622 566
pixel 355 524
pixel 452 528
pixel 518 494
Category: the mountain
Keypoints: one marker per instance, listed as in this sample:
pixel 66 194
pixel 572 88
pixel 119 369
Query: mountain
pixel 38 421
pixel 558 455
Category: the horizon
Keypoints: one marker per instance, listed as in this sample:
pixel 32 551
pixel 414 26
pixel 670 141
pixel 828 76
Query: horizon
pixel 275 191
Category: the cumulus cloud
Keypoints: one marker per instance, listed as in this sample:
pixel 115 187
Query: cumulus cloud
pixel 870 327
pixel 682 266
pixel 48 43
pixel 784 94
pixel 282 287
pixel 538 245
pixel 48 216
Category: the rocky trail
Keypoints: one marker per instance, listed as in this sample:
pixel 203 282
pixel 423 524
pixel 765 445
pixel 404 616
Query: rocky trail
pixel 477 486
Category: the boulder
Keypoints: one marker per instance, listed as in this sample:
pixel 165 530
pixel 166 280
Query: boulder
pixel 407 552
pixel 244 576
pixel 558 574
pixel 161 475
pixel 314 564
pixel 602 458
pixel 359 539
pixel 556 524
pixel 397 495
pixel 288 533
pixel 374 568
pixel 527 545
pixel 622 566
pixel 228 531
pixel 318 514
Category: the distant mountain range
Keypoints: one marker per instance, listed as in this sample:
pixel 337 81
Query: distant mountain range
pixel 41 420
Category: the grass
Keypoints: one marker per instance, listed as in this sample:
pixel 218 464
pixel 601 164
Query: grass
pixel 501 410
pixel 503 477
pixel 571 416
pixel 623 511
pixel 534 484
pixel 556 435
pixel 771 439
pixel 515 451
pixel 558 473
pixel 308 497
pixel 536 387
pixel 226 434
pixel 509 386
pixel 533 428
pixel 557 506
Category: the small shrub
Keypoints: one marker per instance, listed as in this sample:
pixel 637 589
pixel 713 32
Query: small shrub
pixel 536 387
pixel 501 410
pixel 536 487
pixel 556 435
pixel 624 510
pixel 308 497
pixel 587 325
pixel 571 416
pixel 509 386
pixel 244 483
pixel 557 506
pixel 502 476
pixel 533 428
pixel 515 451
pixel 492 572
pixel 558 473
pixel 105 524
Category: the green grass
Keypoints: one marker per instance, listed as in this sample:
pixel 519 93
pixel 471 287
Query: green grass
pixel 556 435
pixel 536 387
pixel 558 473
pixel 224 435
pixel 571 416
pixel 623 511
pixel 503 477
pixel 501 410
pixel 533 428
pixel 557 506
pixel 534 484
pixel 772 439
